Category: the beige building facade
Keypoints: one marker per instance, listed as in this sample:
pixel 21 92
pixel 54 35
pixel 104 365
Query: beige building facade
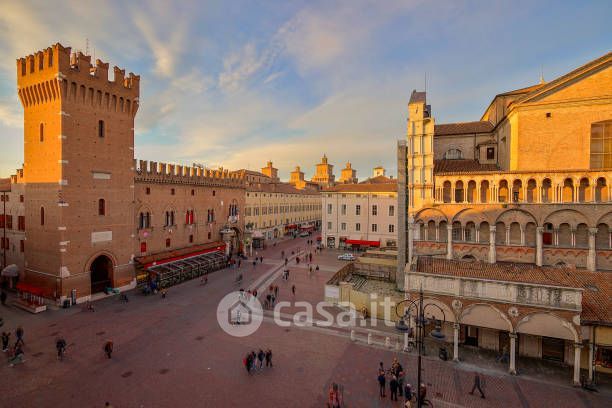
pixel 360 215
pixel 274 209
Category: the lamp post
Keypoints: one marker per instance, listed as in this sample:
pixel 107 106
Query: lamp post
pixel 421 320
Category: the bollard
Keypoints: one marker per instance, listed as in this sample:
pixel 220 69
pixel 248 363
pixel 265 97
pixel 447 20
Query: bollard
pixel 387 342
pixel 352 335
pixel 369 338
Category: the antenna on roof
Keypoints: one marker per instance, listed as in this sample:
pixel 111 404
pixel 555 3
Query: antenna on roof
pixel 542 81
pixel 87 46
pixel 425 81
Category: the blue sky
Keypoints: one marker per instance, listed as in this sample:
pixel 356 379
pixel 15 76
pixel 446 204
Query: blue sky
pixel 237 83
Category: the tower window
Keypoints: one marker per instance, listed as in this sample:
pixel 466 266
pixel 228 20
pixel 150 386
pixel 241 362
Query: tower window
pixel 490 153
pixel 148 190
pixel 41 132
pixel 42 215
pixel 100 128
pixel 172 191
pixel 214 193
pixel 101 207
pixel 167 242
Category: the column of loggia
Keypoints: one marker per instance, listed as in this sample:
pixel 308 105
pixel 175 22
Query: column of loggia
pixel 492 254
pixel 539 242
pixel 449 242
pixel 592 256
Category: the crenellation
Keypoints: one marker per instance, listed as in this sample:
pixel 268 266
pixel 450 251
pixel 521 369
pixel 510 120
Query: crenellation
pixel 101 70
pixel 119 75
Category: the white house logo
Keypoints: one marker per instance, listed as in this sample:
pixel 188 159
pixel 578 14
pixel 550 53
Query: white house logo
pixel 239 314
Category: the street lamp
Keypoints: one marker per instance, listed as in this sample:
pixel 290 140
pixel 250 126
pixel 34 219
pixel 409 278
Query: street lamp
pixel 421 321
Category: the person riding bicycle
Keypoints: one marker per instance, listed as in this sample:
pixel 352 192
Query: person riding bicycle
pixel 60 345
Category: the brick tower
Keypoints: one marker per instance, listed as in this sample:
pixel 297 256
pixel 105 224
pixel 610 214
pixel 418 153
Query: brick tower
pixel 78 170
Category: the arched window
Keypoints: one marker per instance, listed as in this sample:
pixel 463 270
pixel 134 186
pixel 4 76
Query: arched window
pixel 453 154
pixel 42 132
pixel 100 128
pixel 148 220
pixel 141 221
pixel 42 215
pixel 101 207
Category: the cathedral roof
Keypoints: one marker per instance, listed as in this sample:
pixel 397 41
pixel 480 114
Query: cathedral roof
pixel 462 166
pixel 462 128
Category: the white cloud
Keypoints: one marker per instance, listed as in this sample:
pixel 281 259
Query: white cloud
pixel 10 116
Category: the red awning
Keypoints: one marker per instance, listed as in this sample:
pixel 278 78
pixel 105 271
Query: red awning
pixel 291 226
pixel 362 242
pixel 319 238
pixel 307 228
pixel 26 287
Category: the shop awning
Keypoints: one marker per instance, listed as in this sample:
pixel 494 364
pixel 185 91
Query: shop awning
pixel 291 226
pixel 319 238
pixel 362 242
pixel 34 290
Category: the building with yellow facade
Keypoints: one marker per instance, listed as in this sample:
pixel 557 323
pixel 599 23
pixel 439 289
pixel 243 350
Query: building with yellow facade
pixel 506 222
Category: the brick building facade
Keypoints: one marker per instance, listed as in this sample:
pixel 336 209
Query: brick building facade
pixel 90 210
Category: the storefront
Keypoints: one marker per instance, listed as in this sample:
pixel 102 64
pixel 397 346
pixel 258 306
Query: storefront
pixel 359 243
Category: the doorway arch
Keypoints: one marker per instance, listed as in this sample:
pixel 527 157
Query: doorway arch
pixel 101 272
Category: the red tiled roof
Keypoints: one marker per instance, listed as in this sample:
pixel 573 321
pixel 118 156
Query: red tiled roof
pixel 378 180
pixel 365 187
pixel 461 166
pixel 596 305
pixel 284 188
pixel 463 128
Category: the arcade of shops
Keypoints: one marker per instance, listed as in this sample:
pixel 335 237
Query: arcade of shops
pixel 260 236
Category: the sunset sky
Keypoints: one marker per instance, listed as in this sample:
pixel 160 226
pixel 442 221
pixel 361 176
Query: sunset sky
pixel 237 83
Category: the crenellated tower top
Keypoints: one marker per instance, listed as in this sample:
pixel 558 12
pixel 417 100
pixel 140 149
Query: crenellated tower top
pixel 58 74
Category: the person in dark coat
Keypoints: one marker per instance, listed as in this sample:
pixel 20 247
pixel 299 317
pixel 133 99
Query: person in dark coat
pixel 269 358
pixel 477 385
pixel 5 340
pixel 381 380
pixel 260 356
pixel 393 387
pixel 108 348
pixel 3 298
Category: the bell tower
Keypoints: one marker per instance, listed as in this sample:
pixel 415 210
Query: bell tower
pixel 78 171
pixel 420 154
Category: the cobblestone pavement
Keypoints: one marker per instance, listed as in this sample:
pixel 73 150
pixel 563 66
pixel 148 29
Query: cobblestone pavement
pixel 171 353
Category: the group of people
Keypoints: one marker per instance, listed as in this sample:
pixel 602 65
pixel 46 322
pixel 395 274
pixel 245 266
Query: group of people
pixel 252 359
pixel 14 353
pixel 397 385
pixel 271 297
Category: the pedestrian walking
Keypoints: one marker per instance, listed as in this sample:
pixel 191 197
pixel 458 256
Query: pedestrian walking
pixel 16 355
pixel 60 345
pixel 255 293
pixel 253 360
pixel 269 358
pixel 260 356
pixel 163 293
pixel 3 298
pixel 19 335
pixel 276 290
pixel 293 289
pixel 422 393
pixel 273 299
pixel 261 259
pixel 317 268
pixel 310 256
pixel 393 387
pixel 477 384
pixel 286 261
pixel 5 340
pixel 108 348
pixel 381 380
pixel 254 264
pixel 408 394
pixel 239 262
pixel 247 362
pixel 297 260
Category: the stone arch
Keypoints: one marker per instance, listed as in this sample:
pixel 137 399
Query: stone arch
pixel 470 214
pixel 433 312
pixel 549 325
pixel 567 190
pixel 485 315
pixel 430 213
pixel 558 217
pixel 581 236
pixel 503 191
pixel 431 230
pixel 446 192
pixel 546 190
pixel 101 267
pixel 459 191
pixel 500 233
pixel 515 234
pixel 530 234
pixel 601 190
pixel 471 192
pixel 484 191
pixel 516 215
pixel 532 191
pixel 584 190
pixel 517 190
pixel 564 235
